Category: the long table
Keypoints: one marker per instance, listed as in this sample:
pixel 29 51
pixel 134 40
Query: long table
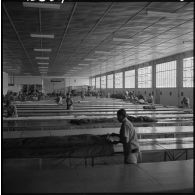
pixel 159 116
pixel 141 131
pixel 176 176
pixel 63 124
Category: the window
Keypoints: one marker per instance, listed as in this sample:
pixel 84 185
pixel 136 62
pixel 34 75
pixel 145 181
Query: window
pixel 93 82
pixel 110 81
pixel 166 75
pixel 97 82
pixel 103 82
pixel 145 77
pixel 119 80
pixel 130 79
pixel 188 72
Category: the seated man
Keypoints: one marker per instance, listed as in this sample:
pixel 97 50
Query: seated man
pixel 69 102
pixel 10 109
pixel 185 102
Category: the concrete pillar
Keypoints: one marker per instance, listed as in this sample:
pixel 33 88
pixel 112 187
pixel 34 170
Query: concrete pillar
pixel 136 79
pixel 64 86
pixel 179 78
pixel 123 79
pixel 113 83
pixel 154 79
pixel 42 85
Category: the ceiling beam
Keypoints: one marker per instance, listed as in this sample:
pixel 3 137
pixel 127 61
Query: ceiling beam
pixel 13 26
pixel 65 31
pixel 93 28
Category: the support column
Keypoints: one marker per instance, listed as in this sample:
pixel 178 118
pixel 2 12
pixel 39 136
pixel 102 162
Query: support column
pixel 179 78
pixel 136 79
pixel 154 79
pixel 64 86
pixel 42 85
pixel 113 82
pixel 123 80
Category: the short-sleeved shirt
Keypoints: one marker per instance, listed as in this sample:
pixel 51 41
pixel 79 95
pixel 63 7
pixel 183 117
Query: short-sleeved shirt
pixel 11 111
pixel 127 130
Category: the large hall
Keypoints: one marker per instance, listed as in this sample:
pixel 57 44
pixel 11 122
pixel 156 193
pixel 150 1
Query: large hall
pixel 97 96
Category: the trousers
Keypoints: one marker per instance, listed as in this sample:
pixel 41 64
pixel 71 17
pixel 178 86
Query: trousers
pixel 131 158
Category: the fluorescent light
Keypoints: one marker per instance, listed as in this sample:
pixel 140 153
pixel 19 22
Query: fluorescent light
pixel 89 59
pixel 43 67
pixel 42 36
pixel 102 52
pixel 43 63
pixel 124 47
pixel 41 5
pixel 43 50
pixel 162 14
pixel 102 58
pixel 77 68
pixel 42 58
pixel 83 64
pixel 27 73
pixel 121 39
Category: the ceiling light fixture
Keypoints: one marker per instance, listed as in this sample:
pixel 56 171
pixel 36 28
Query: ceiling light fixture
pixel 83 64
pixel 41 5
pixel 27 73
pixel 89 59
pixel 121 39
pixel 102 52
pixel 42 36
pixel 43 50
pixel 124 47
pixel 161 14
pixel 42 58
pixel 43 67
pixel 43 63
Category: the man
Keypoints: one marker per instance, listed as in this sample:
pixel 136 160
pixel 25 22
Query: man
pixel 69 102
pixel 10 109
pixel 128 137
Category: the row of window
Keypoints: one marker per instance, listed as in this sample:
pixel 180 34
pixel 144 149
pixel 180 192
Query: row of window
pixel 165 76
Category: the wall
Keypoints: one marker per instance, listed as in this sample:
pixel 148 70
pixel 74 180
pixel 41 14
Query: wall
pixel 5 83
pixel 15 88
pixel 189 93
pixel 28 80
pixel 77 81
pixel 49 86
pixel 161 95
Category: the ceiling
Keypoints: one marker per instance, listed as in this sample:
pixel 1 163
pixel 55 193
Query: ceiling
pixel 82 30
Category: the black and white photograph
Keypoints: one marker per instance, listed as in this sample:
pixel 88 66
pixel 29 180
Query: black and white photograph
pixel 97 96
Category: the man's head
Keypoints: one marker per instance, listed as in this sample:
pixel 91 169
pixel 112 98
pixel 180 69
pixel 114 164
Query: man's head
pixel 121 114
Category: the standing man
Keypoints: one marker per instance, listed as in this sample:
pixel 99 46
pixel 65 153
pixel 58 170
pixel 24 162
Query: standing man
pixel 128 137
pixel 69 102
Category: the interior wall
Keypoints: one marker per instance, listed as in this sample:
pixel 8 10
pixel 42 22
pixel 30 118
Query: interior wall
pixel 189 93
pixel 78 81
pixel 5 83
pixel 15 88
pixel 169 96
pixel 28 80
pixel 50 87
pixel 161 95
